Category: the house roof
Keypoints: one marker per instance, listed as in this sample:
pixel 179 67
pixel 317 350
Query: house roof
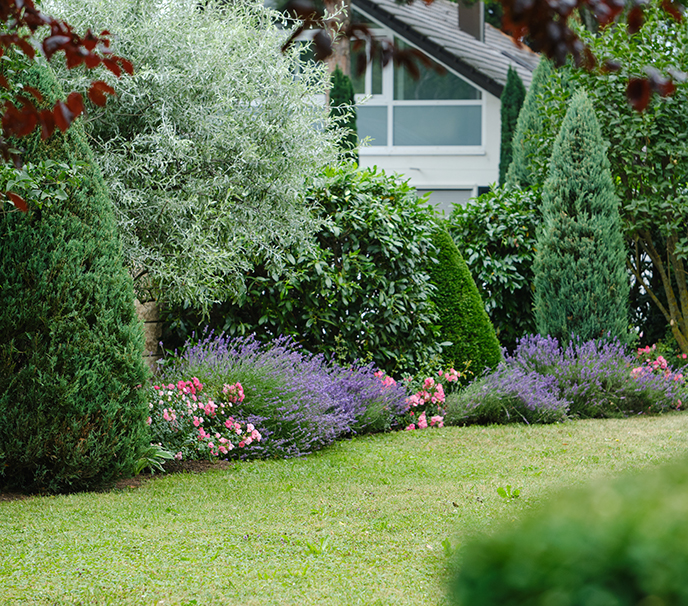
pixel 434 29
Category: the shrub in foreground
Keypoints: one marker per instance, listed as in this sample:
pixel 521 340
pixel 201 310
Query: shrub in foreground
pixel 586 379
pixel 71 416
pixel 612 544
pixel 296 401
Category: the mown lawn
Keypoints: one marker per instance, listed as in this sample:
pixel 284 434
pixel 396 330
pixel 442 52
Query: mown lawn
pixel 369 521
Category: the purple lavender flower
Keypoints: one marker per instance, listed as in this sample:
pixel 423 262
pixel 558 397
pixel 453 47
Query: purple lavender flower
pixel 297 400
pixel 541 381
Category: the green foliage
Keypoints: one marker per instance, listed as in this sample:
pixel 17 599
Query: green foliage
pixel 71 414
pixel 153 458
pixel 463 320
pixel 496 233
pixel 512 99
pixel 343 112
pixel 362 291
pixel 649 154
pixel 620 543
pixel 528 142
pixel 581 286
pixel 208 146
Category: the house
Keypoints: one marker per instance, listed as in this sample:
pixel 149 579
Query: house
pixel 441 131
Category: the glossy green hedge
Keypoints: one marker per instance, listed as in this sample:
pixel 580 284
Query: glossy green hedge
pixel 361 290
pixel 496 234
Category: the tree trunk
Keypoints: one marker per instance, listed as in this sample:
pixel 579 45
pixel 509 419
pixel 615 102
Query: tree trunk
pixel 341 56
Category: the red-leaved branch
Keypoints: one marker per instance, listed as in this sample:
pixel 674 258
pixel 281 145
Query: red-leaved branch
pixel 22 19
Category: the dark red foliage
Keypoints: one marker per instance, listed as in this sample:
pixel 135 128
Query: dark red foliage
pixel 635 19
pixel 90 50
pixel 639 92
pixel 18 201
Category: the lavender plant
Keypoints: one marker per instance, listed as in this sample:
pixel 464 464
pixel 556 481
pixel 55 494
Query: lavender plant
pixel 509 395
pixel 297 401
pixel 543 382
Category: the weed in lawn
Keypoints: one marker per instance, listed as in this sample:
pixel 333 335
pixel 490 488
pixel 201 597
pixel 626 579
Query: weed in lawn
pixel 508 493
pixel 318 548
pixel 449 549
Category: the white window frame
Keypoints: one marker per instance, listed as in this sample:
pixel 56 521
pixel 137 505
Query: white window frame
pixel 387 99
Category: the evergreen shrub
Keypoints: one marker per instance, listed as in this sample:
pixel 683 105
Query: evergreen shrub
pixel 463 320
pixel 72 414
pixel 581 281
pixel 343 112
pixel 496 233
pixel 511 102
pixel 619 543
pixel 530 150
pixel 359 291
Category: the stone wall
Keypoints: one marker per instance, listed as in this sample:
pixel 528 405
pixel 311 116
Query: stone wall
pixel 149 314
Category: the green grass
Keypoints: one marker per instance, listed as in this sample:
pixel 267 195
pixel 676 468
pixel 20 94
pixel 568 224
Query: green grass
pixel 369 521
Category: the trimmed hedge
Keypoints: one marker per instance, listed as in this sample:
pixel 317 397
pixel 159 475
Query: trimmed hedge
pixel 360 291
pixel 71 414
pixel 620 543
pixel 464 321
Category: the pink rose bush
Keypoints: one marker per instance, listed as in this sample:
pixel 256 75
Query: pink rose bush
pixel 425 405
pixel 190 423
pixel 658 366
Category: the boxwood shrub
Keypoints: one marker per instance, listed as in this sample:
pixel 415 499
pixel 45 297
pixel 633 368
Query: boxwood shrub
pixel 463 320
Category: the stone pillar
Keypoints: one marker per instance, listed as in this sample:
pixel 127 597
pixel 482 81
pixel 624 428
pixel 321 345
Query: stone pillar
pixel 149 314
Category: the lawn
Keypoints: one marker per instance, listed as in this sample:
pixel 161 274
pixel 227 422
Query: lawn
pixel 368 521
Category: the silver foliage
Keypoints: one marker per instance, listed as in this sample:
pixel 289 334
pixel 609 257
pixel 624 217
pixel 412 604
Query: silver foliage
pixel 208 146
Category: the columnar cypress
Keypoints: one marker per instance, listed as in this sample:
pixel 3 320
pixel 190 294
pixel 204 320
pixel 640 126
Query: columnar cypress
pixel 527 139
pixel 512 100
pixel 342 108
pixel 581 286
pixel 72 414
pixel 463 319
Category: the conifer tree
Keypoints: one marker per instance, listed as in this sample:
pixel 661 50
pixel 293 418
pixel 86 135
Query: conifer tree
pixel 72 414
pixel 528 139
pixel 512 100
pixel 463 319
pixel 343 110
pixel 581 286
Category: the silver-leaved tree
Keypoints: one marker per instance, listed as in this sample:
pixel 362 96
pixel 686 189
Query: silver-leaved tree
pixel 208 145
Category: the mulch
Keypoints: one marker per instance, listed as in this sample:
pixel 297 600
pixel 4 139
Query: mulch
pixel 139 480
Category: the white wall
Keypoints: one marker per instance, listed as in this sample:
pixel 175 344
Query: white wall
pixel 435 170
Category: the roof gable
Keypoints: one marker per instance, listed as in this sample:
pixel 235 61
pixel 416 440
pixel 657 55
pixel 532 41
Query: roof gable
pixel 434 29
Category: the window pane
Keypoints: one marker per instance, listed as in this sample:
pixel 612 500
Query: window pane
pixel 371 121
pixel 377 74
pixel 431 85
pixel 438 125
pixel 358 79
pixel 358 62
